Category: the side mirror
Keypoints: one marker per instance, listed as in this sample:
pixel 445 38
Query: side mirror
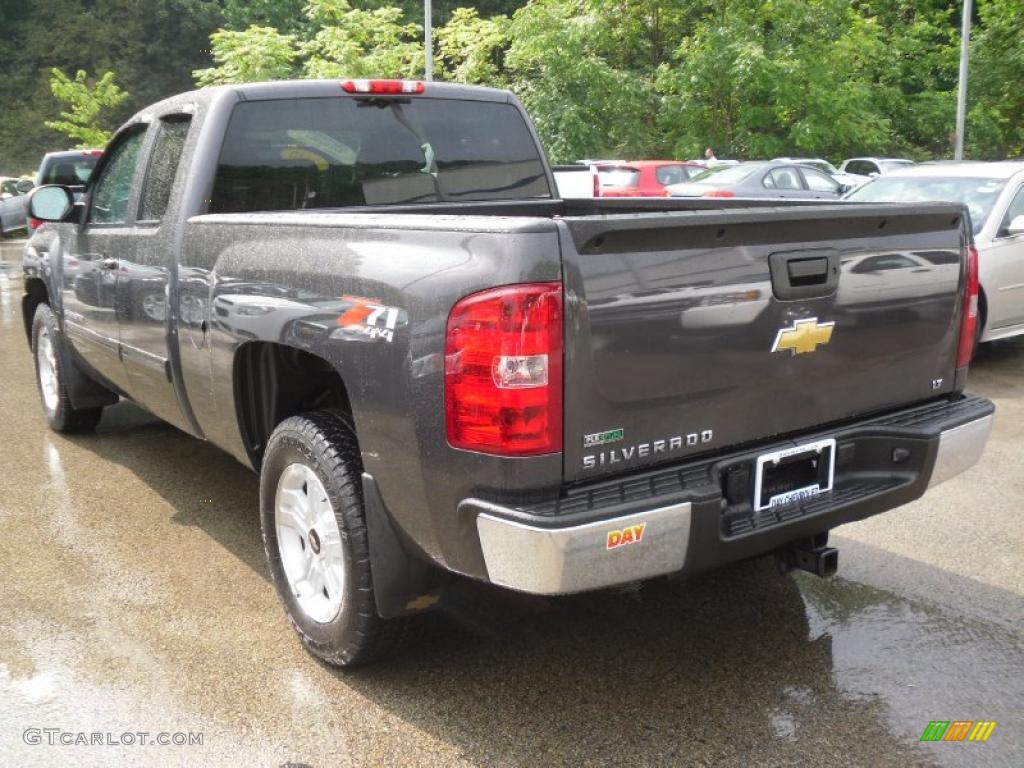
pixel 873 175
pixel 24 186
pixel 1016 226
pixel 50 202
pixel 844 188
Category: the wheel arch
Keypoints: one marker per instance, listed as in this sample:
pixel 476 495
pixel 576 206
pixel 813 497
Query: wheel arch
pixel 274 381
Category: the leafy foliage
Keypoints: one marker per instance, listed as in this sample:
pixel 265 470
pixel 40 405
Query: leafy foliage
pixel 85 101
pixel 470 49
pixel 600 77
pixel 252 55
pixel 352 42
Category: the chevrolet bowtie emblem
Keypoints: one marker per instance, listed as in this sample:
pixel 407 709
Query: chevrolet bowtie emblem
pixel 804 336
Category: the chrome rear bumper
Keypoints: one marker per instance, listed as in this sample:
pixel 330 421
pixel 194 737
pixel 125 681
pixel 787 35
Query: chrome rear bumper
pixel 539 556
pixel 959 449
pixel 550 561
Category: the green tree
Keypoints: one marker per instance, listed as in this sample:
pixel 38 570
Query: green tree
pixel 351 42
pixel 87 102
pixel 995 126
pixel 582 103
pixel 252 55
pixel 470 49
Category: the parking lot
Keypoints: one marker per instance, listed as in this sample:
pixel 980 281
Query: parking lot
pixel 136 599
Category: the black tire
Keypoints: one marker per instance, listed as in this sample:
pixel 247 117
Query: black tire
pixel 322 443
pixel 59 413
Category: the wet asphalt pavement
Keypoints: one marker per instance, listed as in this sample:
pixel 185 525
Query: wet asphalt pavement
pixel 135 599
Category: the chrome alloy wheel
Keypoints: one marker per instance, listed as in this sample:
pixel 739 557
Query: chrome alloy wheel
pixel 46 364
pixel 309 542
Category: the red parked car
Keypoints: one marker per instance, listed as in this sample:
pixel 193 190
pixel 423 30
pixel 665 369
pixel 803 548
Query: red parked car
pixel 643 178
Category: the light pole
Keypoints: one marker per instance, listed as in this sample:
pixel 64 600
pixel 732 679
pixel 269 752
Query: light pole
pixel 961 96
pixel 428 39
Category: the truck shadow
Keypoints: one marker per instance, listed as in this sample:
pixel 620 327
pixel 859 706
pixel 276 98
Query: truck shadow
pixel 715 669
pixel 735 667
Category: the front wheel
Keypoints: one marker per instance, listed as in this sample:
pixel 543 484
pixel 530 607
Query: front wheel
pixel 48 351
pixel 314 533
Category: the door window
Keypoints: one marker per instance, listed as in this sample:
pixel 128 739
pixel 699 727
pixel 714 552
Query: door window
pixel 782 178
pixel 819 182
pixel 163 166
pixel 861 167
pixel 1015 209
pixel 113 188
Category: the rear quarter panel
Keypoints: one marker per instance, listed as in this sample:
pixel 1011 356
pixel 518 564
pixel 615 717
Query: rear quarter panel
pixel 288 279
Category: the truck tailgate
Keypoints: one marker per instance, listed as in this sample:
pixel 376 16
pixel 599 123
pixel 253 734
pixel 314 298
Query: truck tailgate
pixel 687 332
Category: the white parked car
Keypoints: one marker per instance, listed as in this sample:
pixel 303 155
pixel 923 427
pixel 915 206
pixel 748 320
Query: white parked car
pixel 994 195
pixel 575 181
pixel 861 169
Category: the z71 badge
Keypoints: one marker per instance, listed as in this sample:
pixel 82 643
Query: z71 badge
pixel 369 320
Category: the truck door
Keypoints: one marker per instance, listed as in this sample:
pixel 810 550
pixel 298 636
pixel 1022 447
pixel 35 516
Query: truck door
pixel 144 276
pixel 91 258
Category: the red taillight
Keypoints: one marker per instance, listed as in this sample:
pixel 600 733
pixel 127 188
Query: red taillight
pixel 719 193
pixel 93 152
pixel 34 224
pixel 969 320
pixel 388 87
pixel 503 371
pixel 597 183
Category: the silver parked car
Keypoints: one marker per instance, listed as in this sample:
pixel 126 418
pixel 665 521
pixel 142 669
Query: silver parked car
pixel 848 180
pixel 761 179
pixel 994 195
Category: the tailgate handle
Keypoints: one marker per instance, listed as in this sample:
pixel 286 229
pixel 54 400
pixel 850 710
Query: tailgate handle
pixel 810 274
pixel 807 271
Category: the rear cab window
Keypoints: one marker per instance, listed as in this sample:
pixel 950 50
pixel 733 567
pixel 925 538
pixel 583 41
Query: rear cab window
pixel 308 153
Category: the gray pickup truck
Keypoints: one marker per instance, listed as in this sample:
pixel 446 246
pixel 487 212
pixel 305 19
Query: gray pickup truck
pixel 368 292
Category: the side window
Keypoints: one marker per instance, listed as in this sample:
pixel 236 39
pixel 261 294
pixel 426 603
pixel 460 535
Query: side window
pixel 112 190
pixel 818 181
pixel 782 178
pixel 671 174
pixel 1015 209
pixel 861 168
pixel 163 165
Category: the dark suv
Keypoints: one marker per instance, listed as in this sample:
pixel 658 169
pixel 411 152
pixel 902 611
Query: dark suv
pixel 69 169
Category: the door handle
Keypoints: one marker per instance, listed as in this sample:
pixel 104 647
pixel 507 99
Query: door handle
pixel 108 263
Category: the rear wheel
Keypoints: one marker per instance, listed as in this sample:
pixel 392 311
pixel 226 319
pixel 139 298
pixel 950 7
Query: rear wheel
pixel 47 348
pixel 314 533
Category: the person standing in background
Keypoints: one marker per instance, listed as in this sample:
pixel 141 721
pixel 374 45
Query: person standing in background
pixel 709 155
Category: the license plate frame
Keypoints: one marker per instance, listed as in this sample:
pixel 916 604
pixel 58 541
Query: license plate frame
pixel 823 484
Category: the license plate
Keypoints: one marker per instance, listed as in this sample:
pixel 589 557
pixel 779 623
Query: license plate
pixel 794 473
